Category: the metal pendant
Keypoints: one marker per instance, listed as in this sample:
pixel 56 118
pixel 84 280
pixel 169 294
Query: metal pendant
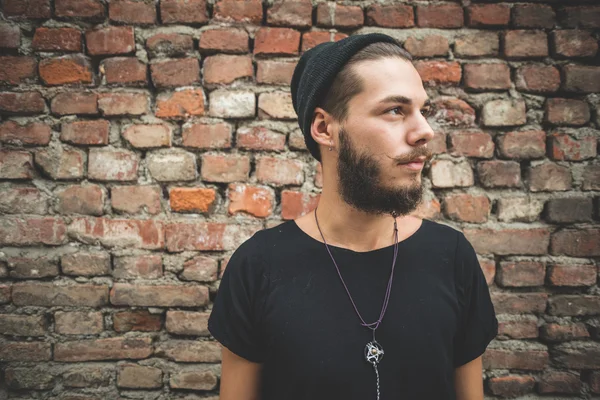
pixel 373 352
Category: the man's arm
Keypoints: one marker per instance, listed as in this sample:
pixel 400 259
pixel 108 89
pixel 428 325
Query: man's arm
pixel 468 380
pixel 240 378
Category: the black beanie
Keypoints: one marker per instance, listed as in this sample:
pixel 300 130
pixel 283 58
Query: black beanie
pixel 315 73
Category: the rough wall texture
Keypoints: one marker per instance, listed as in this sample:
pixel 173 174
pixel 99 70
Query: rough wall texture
pixel 142 141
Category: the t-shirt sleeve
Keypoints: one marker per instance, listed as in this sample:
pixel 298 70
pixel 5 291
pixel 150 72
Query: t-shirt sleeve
pixel 235 319
pixel 477 322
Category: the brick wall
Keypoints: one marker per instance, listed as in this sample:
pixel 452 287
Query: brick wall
pixel 142 141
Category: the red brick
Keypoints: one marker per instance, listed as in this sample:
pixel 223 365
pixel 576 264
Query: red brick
pixel 145 234
pixel 110 40
pixel 533 16
pixel 499 173
pixel 198 379
pixel 61 162
pixel 25 351
pixel 202 236
pixel 23 200
pixel 88 9
pixel 276 105
pixel 567 112
pixel 339 16
pixel 574 43
pixel 275 72
pixel 172 165
pixel 88 199
pixel 56 39
pixel 259 138
pixel 138 321
pixel 21 103
pixel 124 294
pixel 292 13
pixel 10 36
pixel 439 72
pixel 276 41
pixel 581 78
pixel 225 168
pixel 183 11
pixel 85 132
pixel 122 103
pixel 31 9
pixel 523 145
pixel 81 103
pixel 225 69
pixel 135 199
pixel 225 40
pixel 566 147
pixel 521 274
pixel 559 382
pixel 196 200
pixel 147 136
pixel 572 275
pixel 525 44
pixel 569 210
pixel 85 264
pixel 189 351
pixel 296 204
pixel 279 172
pixel 16 165
pixel 4 294
pixel 488 267
pixel 31 231
pixel 50 295
pixel 187 323
pixel 254 200
pixel 580 17
pixel 554 332
pixel 176 72
pixel 296 142
pixel 510 112
pixel 538 78
pixel 112 165
pixel 467 208
pixel 521 327
pixel 78 323
pixel 477 44
pixel 66 70
pixel 535 358
pixel 115 348
pixel 487 76
pixel 471 144
pixel 481 15
pixel 440 16
pixel 312 39
pixel 180 104
pixel 576 243
pixel 577 355
pixel 132 11
pixel 453 112
pixel 533 241
pixel 147 266
pixel 595 382
pixel 23 325
pixel 139 377
pixel 169 44
pixel 17 69
pixel 200 269
pixel 549 177
pixel 34 133
pixel 428 46
pixel 511 386
pixel 391 16
pixel 207 136
pixel 245 11
pixel 124 71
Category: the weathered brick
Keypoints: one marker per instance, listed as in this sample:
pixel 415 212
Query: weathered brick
pixel 566 147
pixel 175 72
pixel 10 36
pixel 576 243
pixel 499 173
pixel 538 78
pixel 31 268
pixel 532 357
pixel 23 325
pixel 296 204
pixel 244 11
pixel 115 348
pixel 30 231
pixel 116 103
pixel 477 44
pixel 169 44
pixel 201 236
pixel 145 234
pixel 521 209
pixel 548 177
pixel 279 172
pixel 200 269
pixel 207 136
pixel 228 40
pixel 87 199
pixel 446 173
pixel 339 16
pixel 172 165
pixel 148 135
pixel 525 44
pixel 574 43
pixel 124 294
pixel 50 295
pixel 533 241
pixel 391 15
pixel 574 305
pixel 124 71
pixel 487 76
pixel 276 105
pixel 25 351
pixel 112 165
pixel 520 327
pixel 183 11
pixel 5 294
pixel 135 376
pixel 567 112
pixel 471 144
pixel 259 138
pixel 314 38
pixel 523 145
pixel 511 385
pixel 445 15
pixel 110 40
pixel 56 39
pixel 187 323
pixel 23 200
pixel 572 275
pixel 480 15
pixel 295 13
pixel 533 16
pixel 85 264
pixel 428 46
pixel 595 382
pixel 559 382
pixel 81 103
pixel 33 133
pixel 148 266
pixel 453 112
pixel 225 168
pixel 467 208
pixel 78 322
pixel 87 9
pixel 276 41
pixel 17 69
pixel 180 104
pixel 21 103
pixel 554 332
pixel 232 104
pixel 34 9
pixel 32 378
pixel 225 69
pixel 85 132
pixel 136 199
pixel 580 17
pixel 15 164
pixel 591 177
pixel 70 69
pixel 581 78
pixel 189 351
pixel 577 355
pixel 521 274
pixel 197 200
pixel 504 113
pixel 296 141
pixel 132 11
pixel 254 200
pixel 137 321
pixel 439 72
pixel 199 379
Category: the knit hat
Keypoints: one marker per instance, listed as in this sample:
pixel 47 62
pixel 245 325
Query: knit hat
pixel 315 73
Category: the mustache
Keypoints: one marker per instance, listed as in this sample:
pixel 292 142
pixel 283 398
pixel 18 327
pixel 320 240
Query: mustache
pixel 413 155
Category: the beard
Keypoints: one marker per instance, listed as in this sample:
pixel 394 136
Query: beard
pixel 361 185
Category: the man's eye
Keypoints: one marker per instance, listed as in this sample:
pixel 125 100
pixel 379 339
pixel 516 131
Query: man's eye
pixel 398 109
pixel 427 111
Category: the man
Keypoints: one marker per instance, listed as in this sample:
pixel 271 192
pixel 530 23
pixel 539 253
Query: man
pixel 357 300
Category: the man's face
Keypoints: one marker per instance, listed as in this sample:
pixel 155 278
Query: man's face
pixel 384 130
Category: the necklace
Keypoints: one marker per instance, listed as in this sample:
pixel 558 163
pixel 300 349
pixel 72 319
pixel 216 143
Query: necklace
pixel 373 350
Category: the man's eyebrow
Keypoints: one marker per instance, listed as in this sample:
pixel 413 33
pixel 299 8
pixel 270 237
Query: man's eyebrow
pixel 402 100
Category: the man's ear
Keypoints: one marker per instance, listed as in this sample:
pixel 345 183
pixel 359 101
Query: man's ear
pixel 322 128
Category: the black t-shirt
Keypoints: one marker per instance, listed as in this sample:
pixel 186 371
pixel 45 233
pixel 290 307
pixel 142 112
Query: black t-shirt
pixel 281 303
